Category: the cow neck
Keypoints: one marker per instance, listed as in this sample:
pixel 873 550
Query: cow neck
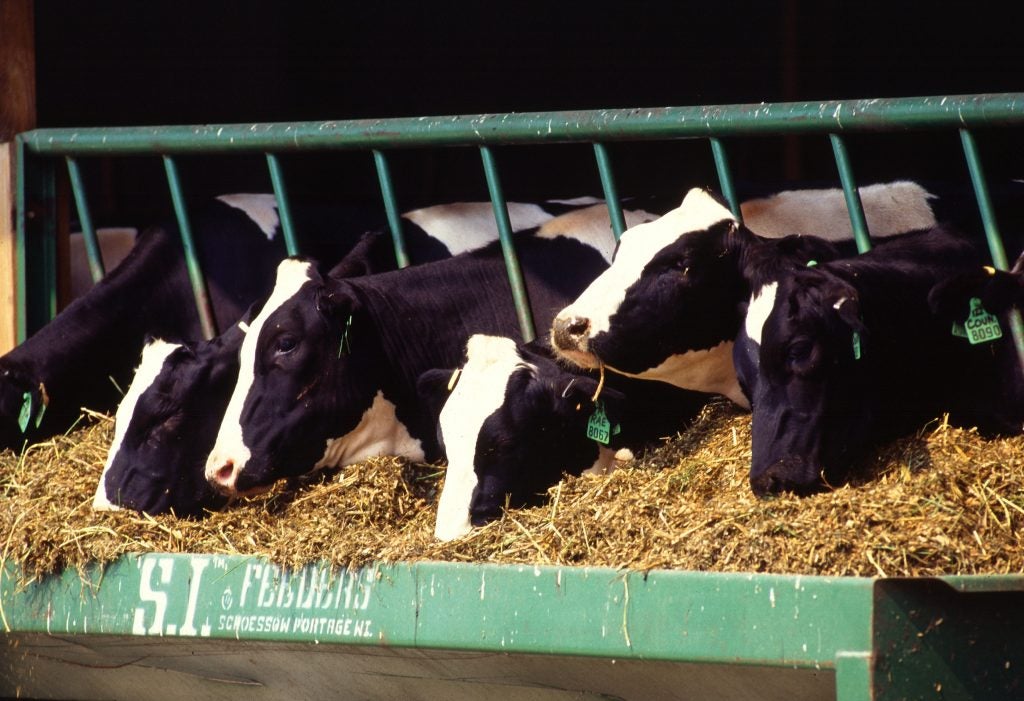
pixel 105 329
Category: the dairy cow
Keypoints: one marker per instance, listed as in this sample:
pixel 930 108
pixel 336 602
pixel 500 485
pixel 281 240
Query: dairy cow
pixel 512 421
pixel 851 355
pixel 167 422
pixel 329 366
pixel 671 303
pixel 70 362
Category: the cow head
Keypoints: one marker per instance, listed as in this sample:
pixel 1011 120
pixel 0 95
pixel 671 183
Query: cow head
pixel 811 403
pixel 513 422
pixel 166 425
pixel 669 305
pixel 303 380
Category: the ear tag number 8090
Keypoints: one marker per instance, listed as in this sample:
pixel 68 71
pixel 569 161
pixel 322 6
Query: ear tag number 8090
pixel 981 327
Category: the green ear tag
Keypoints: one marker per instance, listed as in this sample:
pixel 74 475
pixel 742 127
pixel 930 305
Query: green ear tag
pixel 599 428
pixel 856 345
pixel 959 330
pixel 811 263
pixel 26 411
pixel 344 348
pixel 981 326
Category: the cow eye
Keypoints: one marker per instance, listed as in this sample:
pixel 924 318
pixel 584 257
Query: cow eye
pixel 286 344
pixel 800 352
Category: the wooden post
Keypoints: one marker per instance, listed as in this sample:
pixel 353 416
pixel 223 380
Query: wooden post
pixel 17 114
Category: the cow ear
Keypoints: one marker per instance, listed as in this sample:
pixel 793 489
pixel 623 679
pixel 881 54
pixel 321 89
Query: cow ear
pixel 365 258
pixel 848 309
pixel 998 291
pixel 435 386
pixel 335 300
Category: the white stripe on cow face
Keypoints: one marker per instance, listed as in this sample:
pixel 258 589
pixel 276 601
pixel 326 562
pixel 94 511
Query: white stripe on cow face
pixel 230 447
pixel 261 208
pixel 592 227
pixel 464 226
pixel 761 304
pixel 379 432
pixel 154 354
pixel 637 247
pixel 490 362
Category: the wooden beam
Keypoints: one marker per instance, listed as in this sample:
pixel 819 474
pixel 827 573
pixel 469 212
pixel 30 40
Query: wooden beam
pixel 17 114
pixel 8 271
pixel 17 68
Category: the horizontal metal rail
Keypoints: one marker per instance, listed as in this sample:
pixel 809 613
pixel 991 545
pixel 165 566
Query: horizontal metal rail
pixel 597 127
pixel 951 112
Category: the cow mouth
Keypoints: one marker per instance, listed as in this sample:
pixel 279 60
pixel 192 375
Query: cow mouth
pixel 583 359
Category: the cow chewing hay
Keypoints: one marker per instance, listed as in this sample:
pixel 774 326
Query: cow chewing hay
pixel 944 501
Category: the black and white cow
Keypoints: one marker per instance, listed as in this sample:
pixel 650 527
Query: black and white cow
pixel 669 306
pixel 850 355
pixel 168 420
pixel 512 422
pixel 70 362
pixel 165 426
pixel 673 300
pixel 329 366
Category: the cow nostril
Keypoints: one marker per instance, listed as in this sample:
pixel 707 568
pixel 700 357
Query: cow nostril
pixel 570 333
pixel 224 473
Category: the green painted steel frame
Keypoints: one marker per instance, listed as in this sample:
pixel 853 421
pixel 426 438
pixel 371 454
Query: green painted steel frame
pixel 483 131
pixel 882 638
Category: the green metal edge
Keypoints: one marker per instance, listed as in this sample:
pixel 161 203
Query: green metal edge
pixel 774 620
pixel 948 111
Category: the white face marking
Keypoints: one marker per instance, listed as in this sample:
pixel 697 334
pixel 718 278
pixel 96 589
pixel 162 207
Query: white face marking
pixel 761 304
pixel 465 226
pixel 230 446
pixel 379 432
pixel 152 363
pixel 636 249
pixel 479 393
pixel 592 227
pixel 261 208
pixel 889 209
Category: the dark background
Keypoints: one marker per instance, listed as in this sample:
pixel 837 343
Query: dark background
pixel 123 62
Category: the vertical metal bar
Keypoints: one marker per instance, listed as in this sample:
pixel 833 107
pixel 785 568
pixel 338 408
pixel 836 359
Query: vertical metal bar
pixel 21 240
pixel 981 194
pixel 36 245
pixel 988 220
pixel 853 204
pixel 725 177
pixel 284 210
pixel 195 274
pixel 92 246
pixel 515 276
pixel 387 191
pixel 611 194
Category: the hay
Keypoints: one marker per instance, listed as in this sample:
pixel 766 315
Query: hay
pixel 942 502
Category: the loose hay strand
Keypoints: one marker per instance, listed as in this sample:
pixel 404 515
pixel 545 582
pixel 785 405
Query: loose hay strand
pixel 943 501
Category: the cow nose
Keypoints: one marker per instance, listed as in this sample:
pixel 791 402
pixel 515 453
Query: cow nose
pixel 789 475
pixel 223 477
pixel 570 332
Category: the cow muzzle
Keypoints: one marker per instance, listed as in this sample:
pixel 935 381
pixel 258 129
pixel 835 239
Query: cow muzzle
pixel 222 474
pixel 792 474
pixel 570 338
pixel 570 333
